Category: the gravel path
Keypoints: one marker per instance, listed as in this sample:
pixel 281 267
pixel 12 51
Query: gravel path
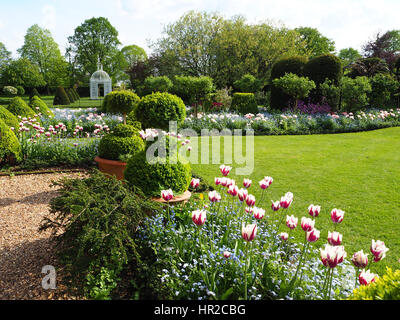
pixel 23 250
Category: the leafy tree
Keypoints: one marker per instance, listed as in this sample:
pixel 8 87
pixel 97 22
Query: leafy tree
pixel 95 39
pixel 5 55
pixel 316 43
pixel 248 83
pixel 349 56
pixel 23 73
pixel 368 67
pixel 132 54
pixel 41 50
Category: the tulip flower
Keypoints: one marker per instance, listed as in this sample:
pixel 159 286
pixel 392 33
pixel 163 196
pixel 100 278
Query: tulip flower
pixel 258 213
pixel 313 235
pixel 286 200
pixel 214 196
pixel 379 250
pixel 360 259
pixel 233 190
pixel 247 183
pixel 314 210
pixel 366 277
pixel 249 232
pixel 291 222
pixel 227 254
pixel 167 195
pixel 199 217
pixel 250 200
pixel 242 195
pixel 224 181
pixel 307 224
pixel 331 256
pixel 195 183
pixel 225 170
pixel 337 215
pixel 217 181
pixel 264 184
pixel 276 205
pixel 335 238
pixel 284 236
pixel 249 210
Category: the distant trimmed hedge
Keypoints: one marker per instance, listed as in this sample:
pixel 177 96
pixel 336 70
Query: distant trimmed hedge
pixel 244 103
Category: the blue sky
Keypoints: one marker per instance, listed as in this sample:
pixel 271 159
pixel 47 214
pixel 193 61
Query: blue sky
pixel 347 22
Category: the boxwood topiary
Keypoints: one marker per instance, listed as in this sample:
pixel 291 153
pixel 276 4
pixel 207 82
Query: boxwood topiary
pixel 8 118
pixel 326 66
pixel 10 149
pixel 244 103
pixel 124 140
pixel 156 110
pixel 38 105
pixel 70 95
pixel 123 102
pixel 34 92
pixel 158 174
pixel 18 107
pixel 61 97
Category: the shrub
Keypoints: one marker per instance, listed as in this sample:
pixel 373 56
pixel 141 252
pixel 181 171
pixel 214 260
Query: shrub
pixel 70 95
pixel 294 86
pixel 156 84
pixel 368 67
pixel 355 93
pixel 244 103
pixel 383 86
pixel 331 93
pixel 323 67
pixel 34 92
pixel 61 97
pixel 248 83
pixel 38 105
pixel 76 94
pixel 8 118
pixel 93 221
pixel 122 102
pixel 10 149
pixel 384 288
pixel 222 99
pixel 20 90
pixel 294 65
pixel 124 140
pixel 156 110
pixel 10 91
pixel 18 107
pixel 158 174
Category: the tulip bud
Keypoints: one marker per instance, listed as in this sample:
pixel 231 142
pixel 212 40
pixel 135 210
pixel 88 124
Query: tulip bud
pixel 217 181
pixel 284 236
pixel 335 238
pixel 249 232
pixel 337 215
pixel 247 183
pixel 233 190
pixel 199 217
pixel 242 195
pixel 379 250
pixel 313 235
pixel 276 205
pixel 366 277
pixel 291 222
pixel 227 254
pixel 225 170
pixel 167 195
pixel 331 256
pixel 214 196
pixel 307 224
pixel 314 210
pixel 258 213
pixel 360 259
pixel 195 183
pixel 286 200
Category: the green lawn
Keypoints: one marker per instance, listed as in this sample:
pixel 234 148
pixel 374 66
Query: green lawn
pixel 358 173
pixel 82 103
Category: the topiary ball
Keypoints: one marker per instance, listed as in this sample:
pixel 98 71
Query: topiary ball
pixel 38 105
pixel 156 110
pixel 323 67
pixel 123 141
pixel 10 148
pixel 8 118
pixel 158 174
pixel 123 102
pixel 18 107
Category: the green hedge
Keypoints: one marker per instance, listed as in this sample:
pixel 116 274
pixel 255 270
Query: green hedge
pixel 8 118
pixel 10 149
pixel 61 97
pixel 244 103
pixel 36 102
pixel 18 107
pixel 123 102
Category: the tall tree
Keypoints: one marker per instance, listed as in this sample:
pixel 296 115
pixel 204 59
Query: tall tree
pixel 5 55
pixel 130 56
pixel 23 73
pixel 316 43
pixel 349 56
pixel 95 39
pixel 41 49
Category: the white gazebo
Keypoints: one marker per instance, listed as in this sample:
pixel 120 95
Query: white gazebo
pixel 100 77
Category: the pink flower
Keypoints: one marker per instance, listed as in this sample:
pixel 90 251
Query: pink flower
pixel 195 183
pixel 286 200
pixel 225 170
pixel 276 205
pixel 291 222
pixel 250 200
pixel 247 183
pixel 167 195
pixel 337 215
pixel 360 259
pixel 258 213
pixel 284 236
pixel 199 217
pixel 335 238
pixel 313 235
pixel 366 277
pixel 265 183
pixel 227 254
pixel 242 195
pixel 249 232
pixel 214 196
pixel 314 210
pixel 379 250
pixel 217 181
pixel 307 224
pixel 233 190
pixel 331 256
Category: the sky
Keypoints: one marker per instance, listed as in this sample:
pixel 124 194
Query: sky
pixel 350 23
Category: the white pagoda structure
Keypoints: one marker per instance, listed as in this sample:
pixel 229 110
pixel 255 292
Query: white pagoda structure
pixel 100 77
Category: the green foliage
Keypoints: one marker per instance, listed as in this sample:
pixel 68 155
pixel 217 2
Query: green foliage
pixel 9 119
pixel 18 107
pixel 248 83
pixel 192 90
pixel 294 86
pixel 223 97
pixel 384 288
pixel 61 97
pixel 156 84
pixel 355 93
pixel 244 103
pixel 316 43
pixel 34 92
pixel 38 105
pixel 20 90
pixel 123 102
pixel 158 174
pixel 94 221
pixel 323 67
pixel 349 56
pixel 23 73
pixel 158 109
pixel 10 149
pixel 124 140
pixel 331 93
pixel 10 91
pixel 70 95
pixel 383 86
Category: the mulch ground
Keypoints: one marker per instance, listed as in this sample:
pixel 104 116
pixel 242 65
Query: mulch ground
pixel 24 201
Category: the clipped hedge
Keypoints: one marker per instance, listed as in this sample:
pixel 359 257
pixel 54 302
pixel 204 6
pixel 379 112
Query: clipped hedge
pixel 61 97
pixel 10 149
pixel 8 118
pixel 158 174
pixel 38 105
pixel 156 84
pixel 156 110
pixel 34 92
pixel 120 102
pixel 244 103
pixel 18 107
pixel 70 95
pixel 326 66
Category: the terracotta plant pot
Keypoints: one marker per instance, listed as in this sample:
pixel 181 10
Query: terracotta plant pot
pixel 111 167
pixel 183 198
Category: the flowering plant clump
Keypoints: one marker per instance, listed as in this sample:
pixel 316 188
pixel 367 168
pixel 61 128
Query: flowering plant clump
pixel 227 246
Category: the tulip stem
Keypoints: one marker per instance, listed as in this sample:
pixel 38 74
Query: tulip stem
pixel 292 282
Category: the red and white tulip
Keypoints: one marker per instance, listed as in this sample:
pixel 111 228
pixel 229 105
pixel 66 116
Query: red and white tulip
pixel 167 195
pixel 249 232
pixel 199 217
pixel 314 210
pixel 360 259
pixel 366 277
pixel 307 224
pixel 291 222
pixel 337 215
pixel 378 249
pixel 335 238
